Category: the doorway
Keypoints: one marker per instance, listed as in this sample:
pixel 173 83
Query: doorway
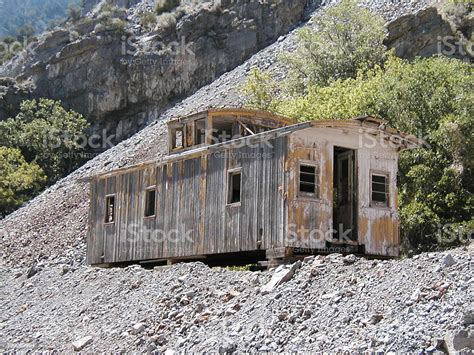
pixel 345 196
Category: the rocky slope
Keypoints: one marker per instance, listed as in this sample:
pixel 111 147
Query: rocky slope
pixel 119 72
pixel 329 304
pixel 54 224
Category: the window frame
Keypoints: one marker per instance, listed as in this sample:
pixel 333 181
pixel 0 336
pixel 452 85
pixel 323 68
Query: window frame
pixel 230 173
pixel 378 204
pixel 107 197
pixel 317 181
pixel 147 190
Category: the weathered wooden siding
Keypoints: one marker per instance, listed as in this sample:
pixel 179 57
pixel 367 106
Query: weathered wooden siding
pixel 378 226
pixel 309 218
pixel 192 215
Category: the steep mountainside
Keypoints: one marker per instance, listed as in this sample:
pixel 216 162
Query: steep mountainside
pixel 53 225
pixel 121 75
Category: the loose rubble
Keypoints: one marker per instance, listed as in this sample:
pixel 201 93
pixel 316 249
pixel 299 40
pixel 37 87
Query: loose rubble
pixel 364 305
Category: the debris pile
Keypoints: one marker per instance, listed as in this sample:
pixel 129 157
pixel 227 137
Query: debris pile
pixel 331 303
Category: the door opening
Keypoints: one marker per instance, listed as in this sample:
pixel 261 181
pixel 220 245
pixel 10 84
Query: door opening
pixel 345 197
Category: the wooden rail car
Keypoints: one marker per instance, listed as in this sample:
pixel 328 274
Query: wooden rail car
pixel 238 181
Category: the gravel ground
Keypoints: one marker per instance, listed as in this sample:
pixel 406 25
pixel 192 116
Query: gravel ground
pixel 331 303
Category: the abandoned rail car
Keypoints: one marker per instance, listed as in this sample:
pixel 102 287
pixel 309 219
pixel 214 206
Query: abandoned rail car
pixel 238 181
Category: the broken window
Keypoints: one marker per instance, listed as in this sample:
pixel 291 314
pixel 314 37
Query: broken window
pixel 178 139
pixel 110 209
pixel 234 186
pixel 199 131
pixel 150 202
pixel 380 190
pixel 308 179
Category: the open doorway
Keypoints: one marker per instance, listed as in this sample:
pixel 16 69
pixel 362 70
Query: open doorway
pixel 345 196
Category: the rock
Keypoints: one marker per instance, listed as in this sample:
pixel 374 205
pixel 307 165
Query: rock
pixel 282 274
pixel 448 260
pixel 309 259
pixel 459 341
pixel 32 271
pixel 228 347
pixel 349 259
pixel 137 328
pixel 63 270
pixel 81 343
pixel 468 318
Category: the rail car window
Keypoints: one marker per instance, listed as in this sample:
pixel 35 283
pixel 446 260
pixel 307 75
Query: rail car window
pixel 308 179
pixel 234 186
pixel 110 209
pixel 150 202
pixel 379 190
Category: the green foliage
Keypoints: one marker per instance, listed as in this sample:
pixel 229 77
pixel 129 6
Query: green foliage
pixel 110 17
pixel 261 91
pixel 148 20
pixel 432 98
pixel 345 39
pixel 47 133
pixel 162 6
pixel 74 12
pixel 19 180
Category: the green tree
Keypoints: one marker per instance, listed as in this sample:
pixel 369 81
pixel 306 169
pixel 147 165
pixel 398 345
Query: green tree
pixel 432 98
pixel 47 133
pixel 19 180
pixel 345 39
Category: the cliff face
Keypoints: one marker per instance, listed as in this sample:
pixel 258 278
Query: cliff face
pixel 122 78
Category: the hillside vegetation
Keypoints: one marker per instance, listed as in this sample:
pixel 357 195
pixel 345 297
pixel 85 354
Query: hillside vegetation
pixel 431 98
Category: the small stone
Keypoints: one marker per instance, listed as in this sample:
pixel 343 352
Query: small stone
pixel 349 259
pixel 63 270
pixel 468 318
pixel 137 328
pixel 32 272
pixel 81 343
pixel 448 260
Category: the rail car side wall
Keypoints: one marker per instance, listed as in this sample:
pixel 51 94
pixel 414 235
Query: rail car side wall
pixel 193 216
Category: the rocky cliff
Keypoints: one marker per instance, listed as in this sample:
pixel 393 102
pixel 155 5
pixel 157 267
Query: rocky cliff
pixel 121 75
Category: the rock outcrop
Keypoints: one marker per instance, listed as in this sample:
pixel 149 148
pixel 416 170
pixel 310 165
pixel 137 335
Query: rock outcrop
pixel 123 78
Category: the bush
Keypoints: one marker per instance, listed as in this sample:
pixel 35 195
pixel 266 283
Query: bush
pixel 74 12
pixel 345 39
pixel 19 180
pixel 166 22
pixel 162 6
pixel 47 133
pixel 148 20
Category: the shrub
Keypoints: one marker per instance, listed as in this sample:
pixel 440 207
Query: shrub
pixel 166 21
pixel 148 20
pixel 162 6
pixel 47 133
pixel 347 38
pixel 19 180
pixel 74 12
